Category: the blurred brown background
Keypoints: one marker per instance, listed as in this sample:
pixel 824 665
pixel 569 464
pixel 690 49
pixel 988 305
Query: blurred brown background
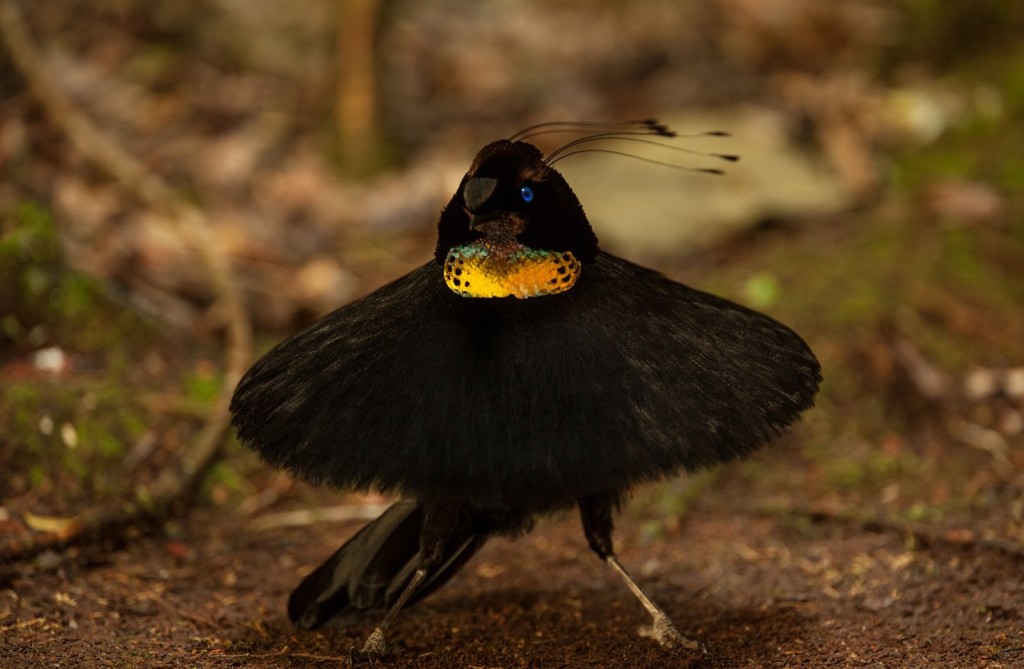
pixel 172 172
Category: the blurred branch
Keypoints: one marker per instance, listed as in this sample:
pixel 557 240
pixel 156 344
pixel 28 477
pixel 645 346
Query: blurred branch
pixel 355 107
pixel 177 484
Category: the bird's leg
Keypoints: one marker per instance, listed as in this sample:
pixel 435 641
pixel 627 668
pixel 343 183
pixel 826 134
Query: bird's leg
pixel 596 514
pixel 439 522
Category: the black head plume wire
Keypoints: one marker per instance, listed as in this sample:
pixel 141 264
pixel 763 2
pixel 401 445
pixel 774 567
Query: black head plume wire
pixel 647 126
pixel 560 152
pixel 632 131
pixel 683 168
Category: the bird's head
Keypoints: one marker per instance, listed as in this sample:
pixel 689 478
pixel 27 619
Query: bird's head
pixel 514 228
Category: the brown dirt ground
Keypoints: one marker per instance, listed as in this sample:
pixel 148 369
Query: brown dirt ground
pixel 759 588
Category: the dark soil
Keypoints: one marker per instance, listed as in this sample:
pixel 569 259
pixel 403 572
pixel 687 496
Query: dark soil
pixel 761 589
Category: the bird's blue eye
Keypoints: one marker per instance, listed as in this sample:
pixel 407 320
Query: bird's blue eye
pixel 527 193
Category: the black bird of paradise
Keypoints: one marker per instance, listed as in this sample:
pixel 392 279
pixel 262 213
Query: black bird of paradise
pixel 521 371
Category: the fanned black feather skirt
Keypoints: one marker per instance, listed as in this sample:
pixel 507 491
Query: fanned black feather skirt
pixel 529 404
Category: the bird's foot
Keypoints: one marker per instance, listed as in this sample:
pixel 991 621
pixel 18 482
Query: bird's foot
pixel 375 648
pixel 665 633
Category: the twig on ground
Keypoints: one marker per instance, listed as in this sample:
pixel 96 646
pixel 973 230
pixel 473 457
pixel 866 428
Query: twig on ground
pixel 332 514
pixel 280 653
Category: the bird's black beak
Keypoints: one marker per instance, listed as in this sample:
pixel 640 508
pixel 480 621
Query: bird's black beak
pixel 485 220
pixel 497 224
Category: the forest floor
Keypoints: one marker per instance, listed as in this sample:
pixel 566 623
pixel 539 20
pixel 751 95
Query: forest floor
pixel 761 586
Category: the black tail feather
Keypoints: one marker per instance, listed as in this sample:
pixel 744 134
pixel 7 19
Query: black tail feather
pixel 367 574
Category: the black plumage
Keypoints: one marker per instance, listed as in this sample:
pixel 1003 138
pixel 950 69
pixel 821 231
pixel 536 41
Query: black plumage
pixel 487 411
